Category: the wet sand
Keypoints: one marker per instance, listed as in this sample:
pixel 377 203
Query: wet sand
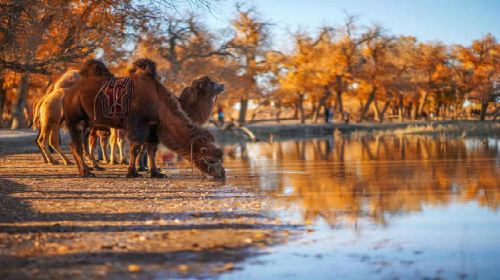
pixel 54 225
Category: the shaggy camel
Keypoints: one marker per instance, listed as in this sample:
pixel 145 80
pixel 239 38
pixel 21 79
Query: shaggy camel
pixel 48 116
pixel 152 115
pixel 198 101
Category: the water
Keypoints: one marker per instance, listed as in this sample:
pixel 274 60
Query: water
pixel 406 207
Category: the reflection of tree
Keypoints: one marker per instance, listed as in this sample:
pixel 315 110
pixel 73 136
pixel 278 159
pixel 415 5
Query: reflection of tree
pixel 373 178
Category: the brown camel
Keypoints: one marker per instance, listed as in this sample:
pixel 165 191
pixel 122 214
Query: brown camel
pixel 48 116
pixel 153 115
pixel 198 100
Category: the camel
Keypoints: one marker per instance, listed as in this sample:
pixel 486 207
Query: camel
pixel 153 115
pixel 198 101
pixel 48 116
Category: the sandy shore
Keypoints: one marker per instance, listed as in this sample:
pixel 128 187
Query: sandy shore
pixel 54 225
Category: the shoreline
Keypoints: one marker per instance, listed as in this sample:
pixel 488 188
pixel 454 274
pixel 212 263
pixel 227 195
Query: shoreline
pixel 22 141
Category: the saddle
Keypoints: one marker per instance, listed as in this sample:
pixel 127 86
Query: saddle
pixel 114 98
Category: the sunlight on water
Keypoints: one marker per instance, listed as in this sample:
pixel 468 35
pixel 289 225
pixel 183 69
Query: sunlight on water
pixel 384 207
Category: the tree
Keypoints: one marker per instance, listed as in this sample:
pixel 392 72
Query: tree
pixel 479 69
pixel 376 65
pixel 342 58
pixel 248 47
pixel 43 37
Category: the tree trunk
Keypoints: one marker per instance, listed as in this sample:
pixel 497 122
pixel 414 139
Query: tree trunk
pixel 338 97
pixel 278 113
pixel 438 108
pixel 243 110
pixel 322 102
pixel 300 108
pixel 339 105
pixel 3 96
pixel 484 109
pixel 401 109
pixel 423 100
pixel 376 111
pixel 314 112
pixel 413 111
pixel 381 113
pixel 18 120
pixel 296 111
pixel 364 110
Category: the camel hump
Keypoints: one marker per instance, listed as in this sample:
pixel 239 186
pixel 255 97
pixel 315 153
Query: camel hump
pixel 94 67
pixel 67 80
pixel 144 66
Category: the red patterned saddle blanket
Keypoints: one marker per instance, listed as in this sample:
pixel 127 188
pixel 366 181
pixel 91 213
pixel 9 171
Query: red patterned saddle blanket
pixel 114 97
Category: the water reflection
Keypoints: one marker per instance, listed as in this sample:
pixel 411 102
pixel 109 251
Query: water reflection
pixel 342 180
pixel 405 207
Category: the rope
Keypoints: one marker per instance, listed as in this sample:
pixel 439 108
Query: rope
pixel 192 168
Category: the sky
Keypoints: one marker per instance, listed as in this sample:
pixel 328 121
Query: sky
pixel 448 21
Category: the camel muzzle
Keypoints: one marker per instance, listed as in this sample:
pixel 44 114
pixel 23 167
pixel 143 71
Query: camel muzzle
pixel 219 88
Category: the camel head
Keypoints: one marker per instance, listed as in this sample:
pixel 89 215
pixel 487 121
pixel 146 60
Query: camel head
pixel 204 87
pixel 208 157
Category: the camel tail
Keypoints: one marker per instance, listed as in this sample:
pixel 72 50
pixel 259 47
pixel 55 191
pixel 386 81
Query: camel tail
pixel 36 118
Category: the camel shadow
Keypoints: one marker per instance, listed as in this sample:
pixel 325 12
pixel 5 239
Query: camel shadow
pixel 21 223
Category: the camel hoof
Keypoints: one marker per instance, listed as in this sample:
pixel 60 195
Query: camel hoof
pixel 88 175
pixel 158 174
pixel 142 168
pixel 98 168
pixel 134 175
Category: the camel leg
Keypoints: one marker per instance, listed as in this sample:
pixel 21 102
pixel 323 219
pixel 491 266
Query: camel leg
pixel 104 147
pixel 89 151
pixel 151 149
pixel 43 142
pixel 134 150
pixel 77 150
pixel 121 145
pixel 38 142
pixel 54 143
pixel 112 143
pixel 139 159
pixel 91 147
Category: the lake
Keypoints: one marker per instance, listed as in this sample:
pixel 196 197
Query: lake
pixel 378 207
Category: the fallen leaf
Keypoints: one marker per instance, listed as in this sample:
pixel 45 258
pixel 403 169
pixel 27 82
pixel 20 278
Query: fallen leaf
pixel 225 267
pixel 183 267
pixel 134 267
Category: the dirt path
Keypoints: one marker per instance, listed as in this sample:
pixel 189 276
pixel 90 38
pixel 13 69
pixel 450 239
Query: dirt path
pixel 54 225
